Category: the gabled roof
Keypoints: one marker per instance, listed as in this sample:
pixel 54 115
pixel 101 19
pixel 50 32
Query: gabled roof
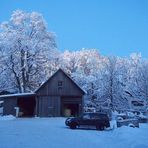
pixel 60 70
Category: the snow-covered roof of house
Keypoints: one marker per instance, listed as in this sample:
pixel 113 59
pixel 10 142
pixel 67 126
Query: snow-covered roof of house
pixel 17 95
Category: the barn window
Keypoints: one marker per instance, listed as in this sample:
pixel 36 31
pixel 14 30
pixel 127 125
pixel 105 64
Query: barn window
pixel 60 84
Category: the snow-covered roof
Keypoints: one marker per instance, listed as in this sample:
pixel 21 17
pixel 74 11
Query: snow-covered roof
pixel 17 95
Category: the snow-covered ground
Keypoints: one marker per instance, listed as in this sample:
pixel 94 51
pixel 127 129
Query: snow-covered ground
pixel 52 133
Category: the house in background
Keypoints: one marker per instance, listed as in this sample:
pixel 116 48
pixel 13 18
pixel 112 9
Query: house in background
pixel 58 96
pixel 137 105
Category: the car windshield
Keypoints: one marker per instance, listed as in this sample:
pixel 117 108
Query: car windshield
pixel 95 116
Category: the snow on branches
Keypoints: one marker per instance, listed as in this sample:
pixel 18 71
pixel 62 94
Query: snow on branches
pixel 27 47
pixel 29 55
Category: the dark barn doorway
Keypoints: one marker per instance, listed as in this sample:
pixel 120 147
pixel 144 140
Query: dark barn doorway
pixel 26 106
pixel 70 110
pixel 71 106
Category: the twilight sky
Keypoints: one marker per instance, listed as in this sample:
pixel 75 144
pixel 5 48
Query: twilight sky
pixel 114 27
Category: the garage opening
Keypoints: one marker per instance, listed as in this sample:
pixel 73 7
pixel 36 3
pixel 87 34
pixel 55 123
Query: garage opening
pixel 26 106
pixel 70 110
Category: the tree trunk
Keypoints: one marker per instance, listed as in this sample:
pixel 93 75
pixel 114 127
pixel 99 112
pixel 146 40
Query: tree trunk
pixel 23 70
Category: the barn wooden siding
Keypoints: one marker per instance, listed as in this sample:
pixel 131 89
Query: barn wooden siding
pixel 48 106
pixel 49 96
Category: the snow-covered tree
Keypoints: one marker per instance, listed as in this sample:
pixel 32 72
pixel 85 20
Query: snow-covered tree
pixel 142 82
pixel 133 66
pixel 137 86
pixel 27 47
pixel 84 60
pixel 70 61
pixel 85 65
pixel 114 79
pixel 28 56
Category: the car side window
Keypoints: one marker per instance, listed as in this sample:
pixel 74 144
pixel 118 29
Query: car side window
pixel 94 117
pixel 86 116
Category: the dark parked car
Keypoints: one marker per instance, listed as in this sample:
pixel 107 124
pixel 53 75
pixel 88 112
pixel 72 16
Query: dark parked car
pixel 99 120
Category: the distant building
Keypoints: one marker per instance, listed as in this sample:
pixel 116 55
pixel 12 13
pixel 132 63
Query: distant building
pixel 58 96
pixel 137 105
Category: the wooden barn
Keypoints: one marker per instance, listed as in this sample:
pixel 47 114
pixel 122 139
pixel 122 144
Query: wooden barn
pixel 58 96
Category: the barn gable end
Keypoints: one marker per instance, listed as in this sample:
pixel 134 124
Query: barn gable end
pixel 60 84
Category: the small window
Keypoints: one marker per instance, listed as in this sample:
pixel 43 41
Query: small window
pixel 60 84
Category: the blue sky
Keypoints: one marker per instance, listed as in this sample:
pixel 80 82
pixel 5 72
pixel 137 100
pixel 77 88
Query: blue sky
pixel 114 27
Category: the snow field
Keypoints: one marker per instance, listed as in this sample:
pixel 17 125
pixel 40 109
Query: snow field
pixel 52 133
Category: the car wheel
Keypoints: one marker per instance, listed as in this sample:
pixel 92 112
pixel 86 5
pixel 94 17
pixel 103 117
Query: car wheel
pixel 73 126
pixel 131 125
pixel 97 127
pixel 102 128
pixel 67 121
